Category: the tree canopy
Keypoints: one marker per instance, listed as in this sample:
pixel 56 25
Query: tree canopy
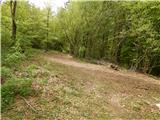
pixel 126 33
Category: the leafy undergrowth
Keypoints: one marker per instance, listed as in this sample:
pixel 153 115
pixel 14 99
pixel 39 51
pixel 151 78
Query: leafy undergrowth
pixel 71 93
pixel 14 84
pixel 14 87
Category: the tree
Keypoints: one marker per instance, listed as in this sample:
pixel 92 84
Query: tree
pixel 13 4
pixel 110 30
pixel 49 13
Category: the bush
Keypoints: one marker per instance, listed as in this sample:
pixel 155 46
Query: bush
pixel 30 52
pixel 5 72
pixel 13 59
pixel 13 87
pixel 82 52
pixel 7 95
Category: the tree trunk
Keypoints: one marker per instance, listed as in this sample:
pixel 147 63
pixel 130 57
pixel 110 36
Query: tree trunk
pixel 48 16
pixel 13 5
pixel 118 50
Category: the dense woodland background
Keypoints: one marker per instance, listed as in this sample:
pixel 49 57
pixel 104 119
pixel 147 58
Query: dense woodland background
pixel 126 33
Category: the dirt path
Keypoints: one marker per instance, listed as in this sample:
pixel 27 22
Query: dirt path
pixel 125 90
pixel 69 61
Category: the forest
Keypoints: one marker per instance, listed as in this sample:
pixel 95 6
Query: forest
pixel 36 43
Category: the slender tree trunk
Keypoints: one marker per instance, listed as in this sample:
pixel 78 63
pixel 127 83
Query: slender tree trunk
pixel 118 51
pixel 48 13
pixel 103 46
pixel 13 5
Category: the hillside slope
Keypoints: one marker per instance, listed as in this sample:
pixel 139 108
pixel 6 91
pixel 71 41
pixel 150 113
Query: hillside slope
pixel 76 90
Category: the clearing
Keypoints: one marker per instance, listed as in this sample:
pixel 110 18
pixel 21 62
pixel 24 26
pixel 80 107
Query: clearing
pixel 74 90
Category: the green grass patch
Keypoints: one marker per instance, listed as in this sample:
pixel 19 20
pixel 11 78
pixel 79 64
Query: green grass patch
pixel 13 87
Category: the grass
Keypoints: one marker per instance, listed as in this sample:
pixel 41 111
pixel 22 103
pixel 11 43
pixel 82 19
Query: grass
pixel 15 82
pixel 14 87
pixel 75 93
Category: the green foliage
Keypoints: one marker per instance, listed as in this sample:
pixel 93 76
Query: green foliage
pixel 56 45
pixel 82 52
pixel 116 31
pixel 13 87
pixel 31 70
pixel 13 59
pixel 6 72
pixel 43 81
pixel 111 30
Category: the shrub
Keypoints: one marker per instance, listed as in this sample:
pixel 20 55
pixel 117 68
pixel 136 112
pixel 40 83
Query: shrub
pixel 82 52
pixel 30 52
pixel 23 86
pixel 13 87
pixel 7 95
pixel 13 59
pixel 5 72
